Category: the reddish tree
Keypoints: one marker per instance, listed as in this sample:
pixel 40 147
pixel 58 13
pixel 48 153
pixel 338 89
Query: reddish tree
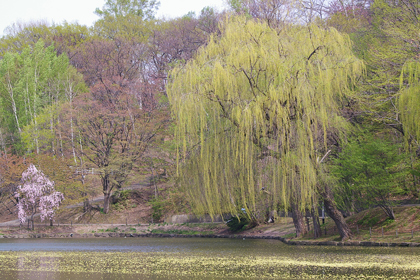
pixel 110 66
pixel 178 40
pixel 114 134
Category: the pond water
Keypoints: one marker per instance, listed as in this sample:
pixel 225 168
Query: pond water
pixel 198 258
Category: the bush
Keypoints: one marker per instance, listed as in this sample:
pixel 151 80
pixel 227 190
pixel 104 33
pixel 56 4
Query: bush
pixel 157 208
pixel 120 196
pixel 119 200
pixel 238 223
pixel 388 222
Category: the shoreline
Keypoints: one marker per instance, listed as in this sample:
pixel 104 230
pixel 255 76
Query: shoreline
pixel 233 236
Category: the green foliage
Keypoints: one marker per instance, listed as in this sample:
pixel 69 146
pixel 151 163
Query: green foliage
pixel 65 37
pixel 235 5
pixel 368 221
pixel 409 99
pixel 393 40
pixel 121 195
pixel 349 23
pixel 32 84
pixel 238 223
pixel 130 27
pixel 19 36
pixel 116 229
pixel 144 9
pixel 157 209
pixel 390 41
pixel 388 222
pixel 120 199
pixel 57 169
pixel 253 110
pixel 369 171
pixel 289 235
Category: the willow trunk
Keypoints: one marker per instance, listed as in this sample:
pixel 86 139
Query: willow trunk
pixel 335 214
pixel 298 220
pixel 317 225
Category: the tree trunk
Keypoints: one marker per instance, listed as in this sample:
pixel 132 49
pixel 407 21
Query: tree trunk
pixel 107 192
pixel 107 198
pixel 32 218
pixel 317 226
pixel 2 142
pixel 11 94
pixel 389 211
pixel 307 222
pixel 298 220
pixel 86 206
pixel 335 214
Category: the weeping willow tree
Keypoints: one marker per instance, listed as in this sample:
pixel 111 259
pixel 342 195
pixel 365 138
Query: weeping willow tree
pixel 255 110
pixel 409 109
pixel 409 100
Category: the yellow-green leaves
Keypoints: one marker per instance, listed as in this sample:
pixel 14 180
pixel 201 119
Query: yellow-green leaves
pixel 409 99
pixel 258 105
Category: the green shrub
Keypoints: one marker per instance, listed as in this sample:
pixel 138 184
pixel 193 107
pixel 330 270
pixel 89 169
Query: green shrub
pixel 238 223
pixel 387 222
pixel 119 199
pixel 111 230
pixel 157 209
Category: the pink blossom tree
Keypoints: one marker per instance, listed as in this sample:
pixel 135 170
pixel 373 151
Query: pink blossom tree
pixel 36 193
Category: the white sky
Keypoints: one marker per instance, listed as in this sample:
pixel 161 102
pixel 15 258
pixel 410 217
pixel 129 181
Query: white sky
pixel 81 11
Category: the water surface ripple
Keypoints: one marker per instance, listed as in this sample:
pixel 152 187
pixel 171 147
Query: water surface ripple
pixel 199 258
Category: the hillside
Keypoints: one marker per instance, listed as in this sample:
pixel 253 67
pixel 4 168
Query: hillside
pixel 133 214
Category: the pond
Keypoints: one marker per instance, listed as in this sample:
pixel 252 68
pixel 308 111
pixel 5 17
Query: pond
pixel 198 258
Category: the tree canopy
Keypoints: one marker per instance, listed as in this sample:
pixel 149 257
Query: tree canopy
pixel 36 193
pixel 142 8
pixel 255 111
pixel 266 97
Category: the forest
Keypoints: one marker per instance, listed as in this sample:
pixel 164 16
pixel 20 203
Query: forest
pixel 270 105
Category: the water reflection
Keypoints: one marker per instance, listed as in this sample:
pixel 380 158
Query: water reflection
pixel 198 258
pixel 215 246
pixel 48 265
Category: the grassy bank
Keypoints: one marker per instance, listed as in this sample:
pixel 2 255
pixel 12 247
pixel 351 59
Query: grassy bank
pixel 373 225
pixel 133 215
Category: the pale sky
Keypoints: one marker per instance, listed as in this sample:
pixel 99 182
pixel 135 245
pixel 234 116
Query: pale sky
pixel 81 11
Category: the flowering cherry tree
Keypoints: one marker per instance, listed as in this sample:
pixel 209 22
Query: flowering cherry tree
pixel 36 193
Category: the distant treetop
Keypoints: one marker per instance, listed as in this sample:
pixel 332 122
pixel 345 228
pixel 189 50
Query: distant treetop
pixel 145 9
